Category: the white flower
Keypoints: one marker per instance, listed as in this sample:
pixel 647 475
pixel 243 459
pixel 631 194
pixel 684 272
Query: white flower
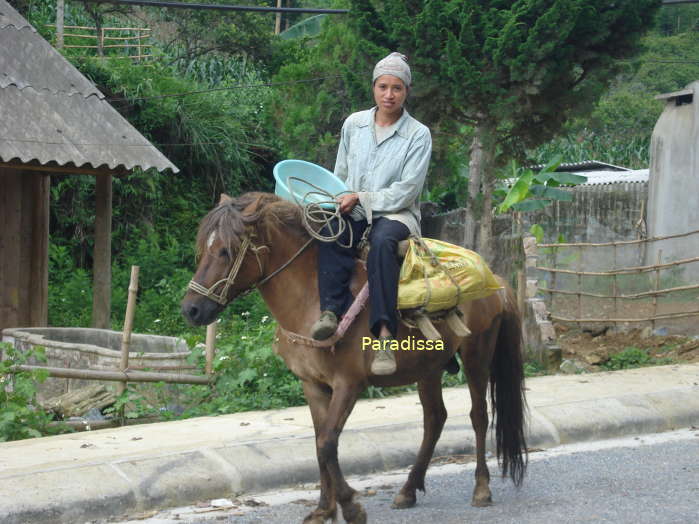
pixel 245 314
pixel 225 357
pixel 156 320
pixel 243 337
pixel 218 321
pixel 264 319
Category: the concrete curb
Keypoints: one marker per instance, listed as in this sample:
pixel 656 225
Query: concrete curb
pixel 160 478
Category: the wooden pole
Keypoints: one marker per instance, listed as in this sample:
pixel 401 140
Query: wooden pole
pixel 210 347
pixel 128 326
pixel 646 319
pixel 580 251
pixel 553 275
pixel 615 288
pixel 656 287
pixel 278 22
pixel 59 23
pixel 102 255
pixel 115 376
pixel 38 266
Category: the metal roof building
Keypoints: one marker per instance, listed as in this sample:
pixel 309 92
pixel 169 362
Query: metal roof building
pixel 53 120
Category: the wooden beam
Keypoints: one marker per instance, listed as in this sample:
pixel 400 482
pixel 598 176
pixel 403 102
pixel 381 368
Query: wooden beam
pixel 63 169
pixel 39 270
pixel 102 269
pixel 116 376
pixel 10 211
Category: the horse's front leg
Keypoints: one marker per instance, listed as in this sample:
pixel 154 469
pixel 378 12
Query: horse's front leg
pixel 343 399
pixel 434 415
pixel 318 398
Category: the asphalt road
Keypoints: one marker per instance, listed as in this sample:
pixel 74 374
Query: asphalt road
pixel 647 479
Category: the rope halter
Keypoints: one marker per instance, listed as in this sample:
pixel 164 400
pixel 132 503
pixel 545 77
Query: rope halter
pixel 221 298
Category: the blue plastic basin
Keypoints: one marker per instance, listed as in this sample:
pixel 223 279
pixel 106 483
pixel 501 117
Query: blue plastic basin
pixel 301 191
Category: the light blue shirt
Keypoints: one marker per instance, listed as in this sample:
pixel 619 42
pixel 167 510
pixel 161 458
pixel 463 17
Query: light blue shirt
pixel 388 176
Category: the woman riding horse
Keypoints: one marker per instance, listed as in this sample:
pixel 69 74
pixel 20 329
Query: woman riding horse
pixel 383 157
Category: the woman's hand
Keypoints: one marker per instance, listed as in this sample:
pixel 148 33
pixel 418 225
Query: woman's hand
pixel 347 202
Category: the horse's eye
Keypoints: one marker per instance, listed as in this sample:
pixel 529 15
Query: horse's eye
pixel 224 253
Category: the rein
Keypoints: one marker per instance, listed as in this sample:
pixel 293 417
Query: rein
pixel 221 298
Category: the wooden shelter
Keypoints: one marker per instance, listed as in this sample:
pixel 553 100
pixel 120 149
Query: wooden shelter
pixel 53 120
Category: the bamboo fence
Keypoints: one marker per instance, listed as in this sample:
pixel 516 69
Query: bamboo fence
pixel 613 273
pixel 102 39
pixel 125 374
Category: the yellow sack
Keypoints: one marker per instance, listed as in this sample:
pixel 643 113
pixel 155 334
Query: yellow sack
pixel 425 284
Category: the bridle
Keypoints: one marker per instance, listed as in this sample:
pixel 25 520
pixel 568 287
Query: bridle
pixel 221 298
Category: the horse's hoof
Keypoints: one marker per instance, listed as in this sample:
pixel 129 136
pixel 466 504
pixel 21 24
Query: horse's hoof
pixel 402 501
pixel 483 502
pixel 320 517
pixel 359 517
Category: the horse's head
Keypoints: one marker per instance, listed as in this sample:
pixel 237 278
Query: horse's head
pixel 230 254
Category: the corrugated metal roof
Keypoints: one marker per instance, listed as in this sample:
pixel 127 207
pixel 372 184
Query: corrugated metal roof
pixel 596 178
pixel 29 60
pixel 585 165
pixel 51 113
pixel 10 17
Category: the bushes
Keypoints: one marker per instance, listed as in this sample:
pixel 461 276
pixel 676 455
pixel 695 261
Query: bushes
pixel 19 416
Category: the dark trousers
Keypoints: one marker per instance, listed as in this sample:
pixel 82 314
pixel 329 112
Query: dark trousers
pixel 336 264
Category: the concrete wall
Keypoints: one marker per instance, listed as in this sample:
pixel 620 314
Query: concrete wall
pixel 673 200
pixel 598 213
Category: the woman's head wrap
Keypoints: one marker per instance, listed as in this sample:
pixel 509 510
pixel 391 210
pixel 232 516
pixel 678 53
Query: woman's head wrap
pixel 396 65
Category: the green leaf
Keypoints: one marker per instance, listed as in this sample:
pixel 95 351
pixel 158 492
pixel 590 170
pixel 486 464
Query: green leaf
pixel 518 192
pixel 34 433
pixel 531 205
pixel 568 179
pixel 538 232
pixel 552 165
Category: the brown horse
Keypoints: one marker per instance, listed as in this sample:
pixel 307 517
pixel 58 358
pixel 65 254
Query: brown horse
pixel 245 242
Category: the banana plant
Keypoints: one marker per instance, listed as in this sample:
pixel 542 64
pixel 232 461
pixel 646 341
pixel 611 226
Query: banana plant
pixel 531 191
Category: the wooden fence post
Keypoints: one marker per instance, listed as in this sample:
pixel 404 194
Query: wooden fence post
pixel 59 23
pixel 210 347
pixel 656 287
pixel 128 326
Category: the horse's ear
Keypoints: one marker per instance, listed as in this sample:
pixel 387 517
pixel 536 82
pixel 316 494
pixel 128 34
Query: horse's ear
pixel 225 199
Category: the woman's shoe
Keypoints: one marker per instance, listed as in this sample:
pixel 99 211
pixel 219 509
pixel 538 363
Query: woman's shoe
pixel 384 362
pixel 325 326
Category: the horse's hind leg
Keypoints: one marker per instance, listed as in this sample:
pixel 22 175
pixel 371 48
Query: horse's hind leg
pixel 318 398
pixel 434 416
pixel 476 356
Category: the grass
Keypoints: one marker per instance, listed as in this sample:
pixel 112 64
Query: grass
pixel 634 357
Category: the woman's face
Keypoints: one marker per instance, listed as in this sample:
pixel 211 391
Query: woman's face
pixel 389 94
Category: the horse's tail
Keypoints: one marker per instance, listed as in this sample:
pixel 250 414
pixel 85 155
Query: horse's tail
pixel 507 394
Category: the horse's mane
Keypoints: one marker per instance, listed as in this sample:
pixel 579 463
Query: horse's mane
pixel 265 212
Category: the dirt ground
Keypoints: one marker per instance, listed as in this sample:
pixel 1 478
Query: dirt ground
pixel 592 348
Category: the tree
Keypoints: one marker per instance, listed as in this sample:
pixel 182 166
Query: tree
pixel 513 70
